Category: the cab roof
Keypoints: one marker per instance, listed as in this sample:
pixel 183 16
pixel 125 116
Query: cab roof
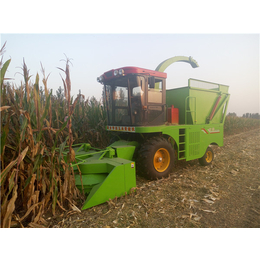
pixel 132 70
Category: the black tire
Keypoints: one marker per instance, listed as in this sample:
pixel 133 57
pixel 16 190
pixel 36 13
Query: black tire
pixel 156 158
pixel 207 157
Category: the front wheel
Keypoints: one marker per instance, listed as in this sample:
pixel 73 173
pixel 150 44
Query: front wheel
pixel 207 157
pixel 156 157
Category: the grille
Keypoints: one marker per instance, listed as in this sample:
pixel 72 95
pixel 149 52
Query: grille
pixel 194 143
pixel 194 149
pixel 194 137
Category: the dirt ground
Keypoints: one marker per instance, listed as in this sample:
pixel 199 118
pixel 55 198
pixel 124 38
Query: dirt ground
pixel 225 194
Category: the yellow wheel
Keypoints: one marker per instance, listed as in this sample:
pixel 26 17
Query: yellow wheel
pixel 161 160
pixel 155 158
pixel 207 158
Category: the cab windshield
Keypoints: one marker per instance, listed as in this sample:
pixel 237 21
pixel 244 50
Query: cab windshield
pixel 124 99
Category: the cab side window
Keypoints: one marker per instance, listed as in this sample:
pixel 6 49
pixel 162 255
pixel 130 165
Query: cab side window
pixel 155 90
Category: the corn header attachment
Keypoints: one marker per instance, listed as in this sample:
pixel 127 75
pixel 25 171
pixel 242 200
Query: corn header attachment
pixel 105 174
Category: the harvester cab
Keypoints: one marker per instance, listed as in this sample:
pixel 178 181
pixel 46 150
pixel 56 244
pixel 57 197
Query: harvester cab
pixel 155 128
pixel 134 96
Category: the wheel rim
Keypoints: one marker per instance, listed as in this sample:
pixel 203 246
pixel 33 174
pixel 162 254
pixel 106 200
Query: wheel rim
pixel 161 160
pixel 208 156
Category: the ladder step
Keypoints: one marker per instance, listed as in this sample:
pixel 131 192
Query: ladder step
pixel 181 153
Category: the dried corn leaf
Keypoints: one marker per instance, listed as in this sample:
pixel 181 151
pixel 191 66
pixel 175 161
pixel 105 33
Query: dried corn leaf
pixel 6 170
pixel 43 221
pixel 3 108
pixel 208 201
pixel 29 211
pixel 234 172
pixel 197 218
pixel 40 212
pixel 60 206
pixel 14 223
pixel 209 196
pixel 10 209
pixel 22 155
pixel 209 211
pixel 73 206
pixel 35 225
pixel 107 212
pixel 19 221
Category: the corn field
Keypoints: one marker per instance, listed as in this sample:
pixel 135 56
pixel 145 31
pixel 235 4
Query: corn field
pixel 235 125
pixel 36 126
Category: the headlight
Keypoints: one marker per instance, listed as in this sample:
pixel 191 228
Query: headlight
pixel 121 72
pixel 100 79
pixel 115 72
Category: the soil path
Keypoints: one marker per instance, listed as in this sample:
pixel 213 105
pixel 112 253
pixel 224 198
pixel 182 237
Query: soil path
pixel 224 194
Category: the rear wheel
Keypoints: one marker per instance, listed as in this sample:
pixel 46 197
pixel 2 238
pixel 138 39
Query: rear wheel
pixel 156 157
pixel 207 158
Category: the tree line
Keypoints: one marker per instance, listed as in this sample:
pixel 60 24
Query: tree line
pixel 246 115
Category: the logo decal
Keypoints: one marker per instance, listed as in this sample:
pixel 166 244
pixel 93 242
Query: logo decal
pixel 204 131
pixel 121 128
pixel 210 131
pixel 213 131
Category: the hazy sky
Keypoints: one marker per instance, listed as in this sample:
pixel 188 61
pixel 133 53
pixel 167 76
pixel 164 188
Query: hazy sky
pixel 230 59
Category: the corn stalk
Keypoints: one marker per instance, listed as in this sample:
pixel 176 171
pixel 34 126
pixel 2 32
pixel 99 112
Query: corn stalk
pixel 32 175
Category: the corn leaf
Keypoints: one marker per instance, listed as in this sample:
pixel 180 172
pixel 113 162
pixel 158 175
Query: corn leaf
pixel 4 134
pixel 22 155
pixel 6 170
pixel 3 108
pixel 3 71
pixel 3 139
pixel 10 209
pixel 37 101
pixel 62 128
pixel 46 109
pixel 61 148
